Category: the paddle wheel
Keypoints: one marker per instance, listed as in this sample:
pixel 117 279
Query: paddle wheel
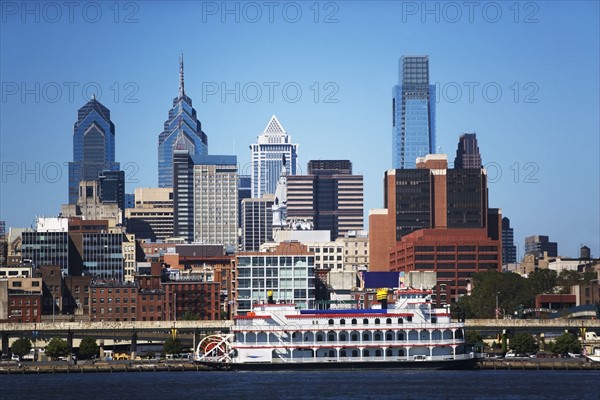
pixel 214 348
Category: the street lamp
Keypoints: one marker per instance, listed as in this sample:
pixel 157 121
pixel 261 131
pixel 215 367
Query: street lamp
pixel 496 310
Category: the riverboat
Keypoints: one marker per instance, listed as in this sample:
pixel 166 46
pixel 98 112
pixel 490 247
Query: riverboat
pixel 410 335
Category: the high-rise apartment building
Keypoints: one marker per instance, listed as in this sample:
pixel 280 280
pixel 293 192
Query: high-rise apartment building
pixel 413 115
pixel 93 146
pixel 509 250
pixel 182 130
pixel 467 153
pixel 274 145
pixel 330 196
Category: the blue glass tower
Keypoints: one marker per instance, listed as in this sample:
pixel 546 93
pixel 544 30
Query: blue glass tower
pixel 93 146
pixel 182 128
pixel 413 120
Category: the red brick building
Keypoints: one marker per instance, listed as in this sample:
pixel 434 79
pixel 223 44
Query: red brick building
pixel 453 254
pixel 113 301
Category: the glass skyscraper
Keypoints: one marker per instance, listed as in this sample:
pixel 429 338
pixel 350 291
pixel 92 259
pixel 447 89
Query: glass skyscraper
pixel 183 130
pixel 267 158
pixel 413 119
pixel 93 146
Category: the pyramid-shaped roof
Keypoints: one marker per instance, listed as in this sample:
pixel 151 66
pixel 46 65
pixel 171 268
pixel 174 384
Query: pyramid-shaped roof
pixel 274 127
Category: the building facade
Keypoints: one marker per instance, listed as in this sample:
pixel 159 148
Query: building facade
pixel 93 146
pixel 509 250
pixel 330 196
pixel 288 273
pixel 183 129
pixel 152 216
pixel 453 254
pixel 257 222
pixel 539 244
pixel 413 112
pixel 274 144
pixel 215 204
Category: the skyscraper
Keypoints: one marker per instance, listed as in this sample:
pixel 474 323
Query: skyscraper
pixel 428 197
pixel 267 155
pixel 205 197
pixel 93 146
pixel 330 196
pixel 413 112
pixel 182 127
pixel 509 250
pixel 467 153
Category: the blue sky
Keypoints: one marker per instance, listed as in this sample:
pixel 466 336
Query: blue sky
pixel 523 76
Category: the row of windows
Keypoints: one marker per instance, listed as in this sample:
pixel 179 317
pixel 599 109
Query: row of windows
pixel 365 321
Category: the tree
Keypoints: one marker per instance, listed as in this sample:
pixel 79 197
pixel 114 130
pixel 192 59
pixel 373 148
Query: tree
pixel 511 290
pixel 190 316
pixel 57 347
pixel 21 347
pixel 523 342
pixel 87 348
pixel 474 339
pixel 172 346
pixel 567 278
pixel 542 281
pixel 565 343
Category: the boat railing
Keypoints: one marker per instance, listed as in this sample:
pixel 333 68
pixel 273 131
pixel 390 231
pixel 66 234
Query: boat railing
pixel 315 343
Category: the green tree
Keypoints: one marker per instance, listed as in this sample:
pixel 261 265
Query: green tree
pixel 87 348
pixel 21 347
pixel 57 347
pixel 565 343
pixel 511 290
pixel 523 342
pixel 474 339
pixel 172 346
pixel 542 281
pixel 190 316
pixel 567 278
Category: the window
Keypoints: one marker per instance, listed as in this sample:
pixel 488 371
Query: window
pixel 365 321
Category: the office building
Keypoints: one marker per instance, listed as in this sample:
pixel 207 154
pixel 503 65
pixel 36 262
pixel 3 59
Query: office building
pixel 509 250
pixel 330 196
pixel 436 219
pixel 467 153
pixel 182 127
pixel 413 112
pixel 93 146
pixel 90 206
pixel 48 244
pixel 539 244
pixel 287 272
pixel 205 197
pixel 257 222
pixel 273 146
pixel 151 218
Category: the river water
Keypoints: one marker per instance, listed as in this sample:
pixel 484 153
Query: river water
pixel 386 384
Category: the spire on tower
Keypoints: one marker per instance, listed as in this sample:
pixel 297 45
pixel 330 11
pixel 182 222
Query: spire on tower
pixel 181 88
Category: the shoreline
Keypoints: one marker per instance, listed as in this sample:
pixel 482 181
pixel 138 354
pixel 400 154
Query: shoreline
pixel 519 365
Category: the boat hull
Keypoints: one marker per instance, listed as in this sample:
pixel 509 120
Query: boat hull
pixel 355 365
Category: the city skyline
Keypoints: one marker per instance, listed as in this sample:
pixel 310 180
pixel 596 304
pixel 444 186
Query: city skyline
pixel 343 112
